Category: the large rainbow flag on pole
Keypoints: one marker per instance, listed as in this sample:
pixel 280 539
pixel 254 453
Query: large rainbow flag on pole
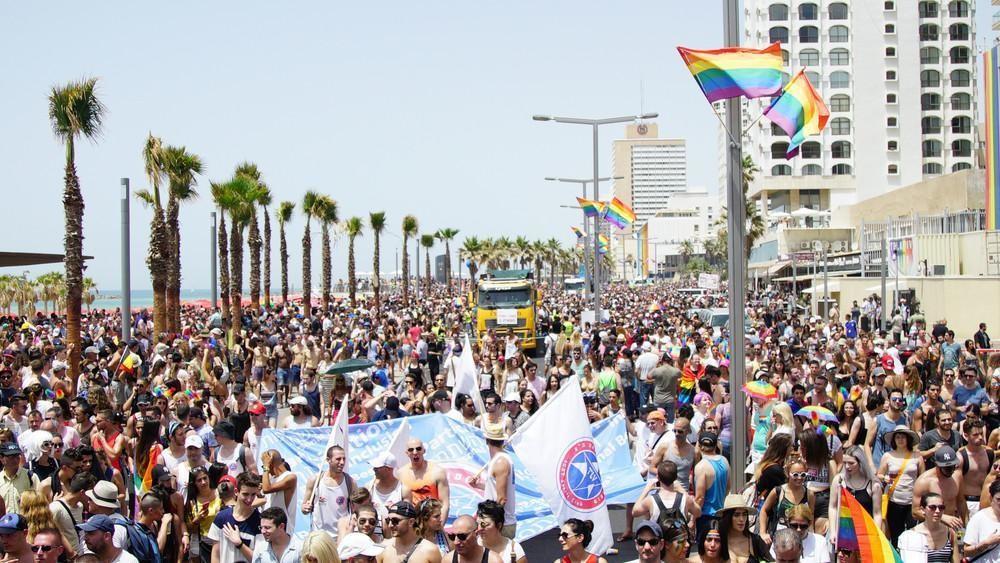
pixel 857 531
pixel 618 214
pixel 590 207
pixel 735 71
pixel 799 111
pixel 991 59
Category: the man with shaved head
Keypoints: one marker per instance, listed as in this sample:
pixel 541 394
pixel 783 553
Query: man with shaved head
pixel 462 535
pixel 424 479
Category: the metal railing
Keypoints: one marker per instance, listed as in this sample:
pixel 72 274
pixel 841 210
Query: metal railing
pixel 872 233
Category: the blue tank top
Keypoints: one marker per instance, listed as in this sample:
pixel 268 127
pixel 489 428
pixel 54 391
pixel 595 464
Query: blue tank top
pixel 882 427
pixel 312 397
pixel 715 497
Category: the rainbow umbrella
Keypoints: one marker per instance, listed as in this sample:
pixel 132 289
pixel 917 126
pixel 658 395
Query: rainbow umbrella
pixel 654 307
pixel 816 413
pixel 760 390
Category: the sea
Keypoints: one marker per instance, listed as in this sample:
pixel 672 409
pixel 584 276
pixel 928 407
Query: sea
pixel 111 299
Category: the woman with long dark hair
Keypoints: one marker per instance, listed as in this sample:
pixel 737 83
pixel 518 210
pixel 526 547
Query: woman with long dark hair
pixel 148 454
pixel 575 536
pixel 738 541
pixel 820 469
pixel 200 509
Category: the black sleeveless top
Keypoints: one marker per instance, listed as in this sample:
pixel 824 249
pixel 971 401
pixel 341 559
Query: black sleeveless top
pixel 863 496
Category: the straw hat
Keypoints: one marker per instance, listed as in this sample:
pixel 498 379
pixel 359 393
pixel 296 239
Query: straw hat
pixel 890 436
pixel 734 502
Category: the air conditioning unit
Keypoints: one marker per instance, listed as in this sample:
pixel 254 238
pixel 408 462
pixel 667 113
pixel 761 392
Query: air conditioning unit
pixel 805 245
pixel 840 246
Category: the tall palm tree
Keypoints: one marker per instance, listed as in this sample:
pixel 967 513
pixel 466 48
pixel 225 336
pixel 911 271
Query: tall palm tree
pixel 538 253
pixel 221 199
pixel 445 236
pixel 90 292
pixel 355 227
pixel 427 241
pixel 410 228
pixel 327 214
pixel 249 201
pixel 158 256
pixel 243 194
pixel 309 208
pixel 285 211
pixel 265 201
pixel 48 287
pixel 522 251
pixel 472 252
pixel 376 220
pixel 180 168
pixel 755 222
pixel 554 248
pixel 502 251
pixel 74 111
pixel 686 251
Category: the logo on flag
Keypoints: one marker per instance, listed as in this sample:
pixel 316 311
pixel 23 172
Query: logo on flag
pixel 579 476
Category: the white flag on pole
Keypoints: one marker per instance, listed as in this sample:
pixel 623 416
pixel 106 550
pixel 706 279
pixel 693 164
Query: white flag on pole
pixel 557 447
pixel 338 433
pixel 467 379
pixel 397 447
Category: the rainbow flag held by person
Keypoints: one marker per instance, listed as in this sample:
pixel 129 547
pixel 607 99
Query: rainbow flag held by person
pixel 590 207
pixel 577 232
pixel 618 214
pixel 735 71
pixel 130 363
pixel 144 483
pixel 799 111
pixel 857 532
pixel 689 383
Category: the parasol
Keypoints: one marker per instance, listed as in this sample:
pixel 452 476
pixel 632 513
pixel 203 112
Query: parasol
pixel 760 390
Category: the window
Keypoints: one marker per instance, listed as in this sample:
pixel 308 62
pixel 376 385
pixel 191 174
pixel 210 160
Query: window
pixel 839 34
pixel 961 124
pixel 890 28
pixel 928 9
pixel 840 57
pixel 777 131
pixel 930 102
pixel 892 146
pixel 785 78
pixel 893 170
pixel 890 51
pixel 931 148
pixel 811 149
pixel 840 102
pixel 781 170
pixel 930 55
pixel 958 32
pixel 890 75
pixel 840 79
pixel 812 170
pixel 841 169
pixel 891 122
pixel 960 78
pixel 958 9
pixel 814 78
pixel 961 166
pixel 784 57
pixel 778 150
pixel 928 32
pixel 777 13
pixel 809 57
pixel 779 34
pixel 961 147
pixel 840 149
pixel 840 126
pixel 930 125
pixel 959 55
pixel 889 5
pixel 837 11
pixel 930 78
pixel 809 34
pixel 890 98
pixel 961 101
pixel 808 12
pixel 933 168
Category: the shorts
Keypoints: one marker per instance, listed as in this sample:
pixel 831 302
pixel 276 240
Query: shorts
pixel 282 376
pixel 295 375
pixel 257 373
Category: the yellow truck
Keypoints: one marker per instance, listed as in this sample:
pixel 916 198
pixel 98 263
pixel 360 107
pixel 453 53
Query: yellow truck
pixel 508 299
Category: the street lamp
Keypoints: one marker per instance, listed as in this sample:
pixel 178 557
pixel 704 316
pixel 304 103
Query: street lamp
pixel 594 124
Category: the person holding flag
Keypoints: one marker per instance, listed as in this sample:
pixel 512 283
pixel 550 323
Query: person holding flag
pixel 500 481
pixel 328 495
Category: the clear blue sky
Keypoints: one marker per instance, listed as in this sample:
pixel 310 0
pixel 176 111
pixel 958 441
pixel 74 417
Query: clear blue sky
pixel 406 107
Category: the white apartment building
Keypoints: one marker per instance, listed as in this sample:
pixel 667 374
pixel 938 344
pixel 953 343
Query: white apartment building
pixel 651 169
pixel 899 78
pixel 687 216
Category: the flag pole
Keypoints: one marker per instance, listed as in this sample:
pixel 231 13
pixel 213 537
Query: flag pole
pixel 723 123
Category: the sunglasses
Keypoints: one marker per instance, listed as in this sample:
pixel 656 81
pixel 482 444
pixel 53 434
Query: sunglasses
pixel 460 536
pixel 371 521
pixel 799 527
pixel 43 548
pixel 417 449
pixel 798 474
pixel 394 521
pixel 935 507
pixel 639 542
pixel 567 535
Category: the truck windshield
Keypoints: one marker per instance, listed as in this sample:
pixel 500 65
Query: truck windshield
pixel 504 298
pixel 572 286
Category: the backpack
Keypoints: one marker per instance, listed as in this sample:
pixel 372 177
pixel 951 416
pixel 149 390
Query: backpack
pixel 668 516
pixel 141 542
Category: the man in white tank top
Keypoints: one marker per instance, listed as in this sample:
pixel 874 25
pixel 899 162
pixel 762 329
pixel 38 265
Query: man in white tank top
pixel 327 495
pixel 499 481
pixel 279 485
pixel 387 490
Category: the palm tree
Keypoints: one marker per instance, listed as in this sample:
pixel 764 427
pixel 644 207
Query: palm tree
pixel 754 221
pixel 222 200
pixel 686 251
pixel 538 252
pixel 522 251
pixel 309 208
pixel 265 201
pixel 249 200
pixel 158 256
pixel 472 251
pixel 180 168
pixel 554 249
pixel 410 228
pixel 427 241
pixel 285 210
pixel 326 212
pixel 376 220
pixel 74 111
pixel 47 289
pixel 445 235
pixel 355 227
pixel 90 292
pixel 243 193
pixel 503 253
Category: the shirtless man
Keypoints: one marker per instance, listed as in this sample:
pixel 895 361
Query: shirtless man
pixel 945 481
pixel 925 415
pixel 975 461
pixel 405 544
pixel 424 479
pixel 679 451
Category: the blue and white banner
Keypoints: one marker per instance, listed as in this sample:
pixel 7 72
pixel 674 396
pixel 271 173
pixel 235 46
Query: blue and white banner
pixel 461 450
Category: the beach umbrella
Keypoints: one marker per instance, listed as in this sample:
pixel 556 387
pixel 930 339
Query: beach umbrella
pixel 817 413
pixel 760 390
pixel 347 366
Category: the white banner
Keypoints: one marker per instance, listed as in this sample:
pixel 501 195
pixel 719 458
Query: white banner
pixel 708 281
pixel 557 447
pixel 506 317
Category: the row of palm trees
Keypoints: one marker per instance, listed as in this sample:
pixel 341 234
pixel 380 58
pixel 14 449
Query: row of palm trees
pixel 505 253
pixel 25 293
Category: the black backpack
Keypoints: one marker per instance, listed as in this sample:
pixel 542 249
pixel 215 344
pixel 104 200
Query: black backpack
pixel 675 513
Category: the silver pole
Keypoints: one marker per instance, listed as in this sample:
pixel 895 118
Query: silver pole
pixel 597 239
pixel 895 260
pixel 885 266
pixel 126 266
pixel 416 271
pixel 737 261
pixel 215 261
pixel 826 284
pixel 791 308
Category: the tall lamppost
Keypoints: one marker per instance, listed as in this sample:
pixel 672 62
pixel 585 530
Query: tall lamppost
pixel 594 124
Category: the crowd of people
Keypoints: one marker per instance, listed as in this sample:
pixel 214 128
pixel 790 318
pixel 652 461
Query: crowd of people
pixel 153 454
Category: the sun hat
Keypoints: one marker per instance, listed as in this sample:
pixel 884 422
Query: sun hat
pixel 736 502
pixel 494 433
pixel 105 494
pixel 890 436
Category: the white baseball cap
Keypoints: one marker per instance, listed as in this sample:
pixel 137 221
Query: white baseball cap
pixel 355 544
pixel 194 441
pixel 384 459
pixel 299 400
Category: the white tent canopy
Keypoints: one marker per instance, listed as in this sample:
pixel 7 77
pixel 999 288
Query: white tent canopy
pixel 818 288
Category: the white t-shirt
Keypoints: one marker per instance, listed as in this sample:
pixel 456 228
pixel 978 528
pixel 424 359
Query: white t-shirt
pixel 814 549
pixel 982 525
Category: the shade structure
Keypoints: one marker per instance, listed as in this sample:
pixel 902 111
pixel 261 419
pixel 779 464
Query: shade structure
pixel 347 366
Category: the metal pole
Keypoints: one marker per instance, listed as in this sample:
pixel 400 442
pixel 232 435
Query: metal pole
pixel 885 265
pixel 126 267
pixel 588 278
pixel 792 301
pixel 895 261
pixel 826 284
pixel 737 262
pixel 215 262
pixel 597 239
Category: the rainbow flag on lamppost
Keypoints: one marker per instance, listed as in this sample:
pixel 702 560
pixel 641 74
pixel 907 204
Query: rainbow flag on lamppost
pixel 735 71
pixel 618 214
pixel 590 207
pixel 799 111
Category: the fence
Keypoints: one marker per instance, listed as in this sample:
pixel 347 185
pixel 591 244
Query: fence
pixel 873 234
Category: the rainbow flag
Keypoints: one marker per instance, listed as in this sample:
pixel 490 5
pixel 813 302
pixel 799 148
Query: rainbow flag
pixel 799 111
pixel 991 59
pixel 130 363
pixel 735 71
pixel 590 207
pixel 602 244
pixel 618 214
pixel 857 531
pixel 577 232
